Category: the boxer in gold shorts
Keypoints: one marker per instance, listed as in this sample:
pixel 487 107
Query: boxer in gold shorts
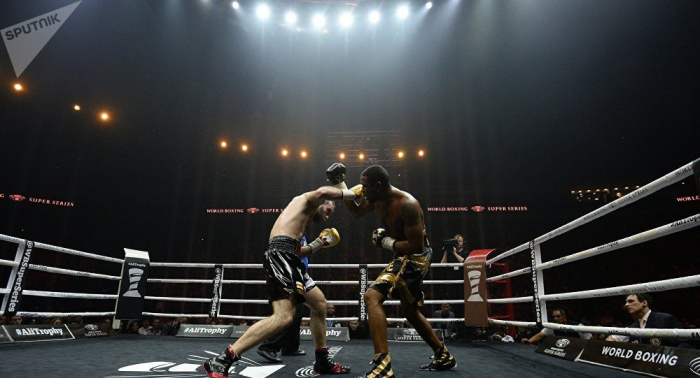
pixel 404 234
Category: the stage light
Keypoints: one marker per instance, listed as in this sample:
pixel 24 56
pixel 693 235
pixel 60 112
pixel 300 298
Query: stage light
pixel 290 18
pixel 400 154
pixel 18 87
pixel 235 5
pixel 421 153
pixel 319 21
pixel 346 20
pixel 263 12
pixel 76 107
pixel 402 12
pixel 303 154
pixel 428 5
pixel 342 155
pixel 374 17
pixel 361 156
pixel 223 144
pixel 285 152
pixel 104 116
pixel 244 147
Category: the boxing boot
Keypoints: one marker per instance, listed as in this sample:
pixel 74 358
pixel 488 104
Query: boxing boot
pixel 442 360
pixel 381 368
pixel 324 364
pixel 217 367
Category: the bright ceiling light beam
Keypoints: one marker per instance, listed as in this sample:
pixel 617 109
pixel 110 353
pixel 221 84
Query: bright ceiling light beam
pixel 402 12
pixel 263 12
pixel 319 21
pixel 346 20
pixel 374 17
pixel 290 18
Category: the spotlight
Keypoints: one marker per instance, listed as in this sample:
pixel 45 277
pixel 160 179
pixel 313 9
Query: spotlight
pixel 402 12
pixel 285 152
pixel 374 17
pixel 104 116
pixel 303 154
pixel 244 147
pixel 263 12
pixel 361 156
pixel 342 155
pixel 290 18
pixel 421 153
pixel 76 107
pixel 346 20
pixel 319 21
pixel 235 5
pixel 400 154
pixel 223 144
pixel 428 5
pixel 18 87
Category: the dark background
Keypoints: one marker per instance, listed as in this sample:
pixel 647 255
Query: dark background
pixel 515 102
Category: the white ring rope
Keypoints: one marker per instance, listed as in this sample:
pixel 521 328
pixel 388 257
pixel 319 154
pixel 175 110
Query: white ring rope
pixel 671 228
pixel 9 263
pixel 663 285
pixel 38 293
pixel 511 300
pixel 259 266
pixel 72 272
pixel 263 282
pixel 642 332
pixel 62 314
pixel 671 178
pixel 77 253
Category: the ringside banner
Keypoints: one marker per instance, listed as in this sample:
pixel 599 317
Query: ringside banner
pixel 643 358
pixel 38 332
pixel 205 330
pixel 332 333
pixel 561 347
pixel 408 334
pixel 85 331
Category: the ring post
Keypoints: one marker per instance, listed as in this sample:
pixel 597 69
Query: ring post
pixel 132 286
pixel 476 313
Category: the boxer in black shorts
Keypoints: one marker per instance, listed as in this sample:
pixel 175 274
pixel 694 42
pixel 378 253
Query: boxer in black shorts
pixel 284 273
pixel 403 234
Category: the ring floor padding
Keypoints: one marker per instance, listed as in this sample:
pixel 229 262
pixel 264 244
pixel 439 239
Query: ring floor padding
pixel 131 356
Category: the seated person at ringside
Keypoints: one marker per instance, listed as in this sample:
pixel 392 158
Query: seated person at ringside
pixel 559 316
pixel 639 308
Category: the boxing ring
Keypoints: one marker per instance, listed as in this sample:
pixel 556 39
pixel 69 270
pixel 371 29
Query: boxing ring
pixel 537 268
pixel 159 356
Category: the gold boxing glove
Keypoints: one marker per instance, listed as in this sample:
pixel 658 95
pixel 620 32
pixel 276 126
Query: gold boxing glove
pixel 328 238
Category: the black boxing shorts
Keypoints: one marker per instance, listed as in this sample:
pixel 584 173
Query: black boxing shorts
pixel 403 278
pixel 284 271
